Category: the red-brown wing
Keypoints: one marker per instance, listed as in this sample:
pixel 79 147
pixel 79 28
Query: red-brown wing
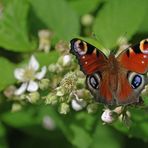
pixel 90 58
pixel 116 90
pixel 106 95
pixel 125 93
pixel 136 57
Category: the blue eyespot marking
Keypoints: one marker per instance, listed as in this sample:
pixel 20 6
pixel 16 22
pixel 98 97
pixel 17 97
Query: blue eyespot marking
pixel 93 82
pixel 136 82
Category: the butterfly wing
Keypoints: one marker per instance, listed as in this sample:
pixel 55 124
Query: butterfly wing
pixel 90 58
pixel 93 63
pixel 135 61
pixel 135 58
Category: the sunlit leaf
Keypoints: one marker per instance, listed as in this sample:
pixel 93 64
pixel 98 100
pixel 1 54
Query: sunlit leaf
pixel 58 17
pixel 105 137
pixel 6 73
pixel 13 27
pixel 119 18
pixel 85 6
pixel 46 59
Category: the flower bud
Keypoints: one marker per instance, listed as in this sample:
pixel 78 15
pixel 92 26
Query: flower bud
pixel 64 108
pixel 92 108
pixel 62 46
pixel 52 68
pixel 60 92
pixel 44 84
pixel 45 40
pixel 125 118
pixel 80 82
pixel 87 20
pixel 55 68
pixel 66 60
pixel 51 99
pixel 33 97
pixel 145 90
pixel 118 110
pixel 9 91
pixel 107 116
pixel 16 107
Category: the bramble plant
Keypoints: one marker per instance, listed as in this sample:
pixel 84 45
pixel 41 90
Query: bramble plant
pixel 43 92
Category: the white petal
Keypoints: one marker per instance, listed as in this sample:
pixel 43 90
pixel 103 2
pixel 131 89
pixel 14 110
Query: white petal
pixel 78 105
pixel 33 86
pixel 75 105
pixel 18 73
pixel 21 90
pixel 41 74
pixel 33 63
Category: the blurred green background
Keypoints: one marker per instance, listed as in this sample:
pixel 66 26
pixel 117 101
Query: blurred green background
pixel 107 20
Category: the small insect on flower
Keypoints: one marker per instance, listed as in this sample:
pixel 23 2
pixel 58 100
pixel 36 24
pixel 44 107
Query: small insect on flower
pixel 28 76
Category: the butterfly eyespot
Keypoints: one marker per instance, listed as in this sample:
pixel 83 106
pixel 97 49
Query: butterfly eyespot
pixel 144 46
pixel 80 47
pixel 93 81
pixel 136 80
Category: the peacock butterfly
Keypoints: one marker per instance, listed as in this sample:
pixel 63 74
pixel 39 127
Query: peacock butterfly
pixel 113 80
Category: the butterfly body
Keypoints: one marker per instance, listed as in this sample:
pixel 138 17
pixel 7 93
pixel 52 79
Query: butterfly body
pixel 113 80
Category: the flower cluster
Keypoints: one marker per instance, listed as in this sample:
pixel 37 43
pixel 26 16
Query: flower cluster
pixel 69 94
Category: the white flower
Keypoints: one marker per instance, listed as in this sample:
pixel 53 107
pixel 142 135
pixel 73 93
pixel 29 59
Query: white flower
pixel 78 104
pixel 107 116
pixel 28 76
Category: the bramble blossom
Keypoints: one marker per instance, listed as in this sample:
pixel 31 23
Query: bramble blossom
pixel 28 76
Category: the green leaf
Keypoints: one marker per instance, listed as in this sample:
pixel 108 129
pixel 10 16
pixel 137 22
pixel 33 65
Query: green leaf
pixel 42 58
pixel 46 59
pixel 3 143
pixel 20 119
pixel 138 127
pixel 75 127
pixel 57 16
pixel 13 27
pixel 83 7
pixel 144 25
pixel 117 18
pixel 4 2
pixel 80 127
pixel 105 137
pixel 6 73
